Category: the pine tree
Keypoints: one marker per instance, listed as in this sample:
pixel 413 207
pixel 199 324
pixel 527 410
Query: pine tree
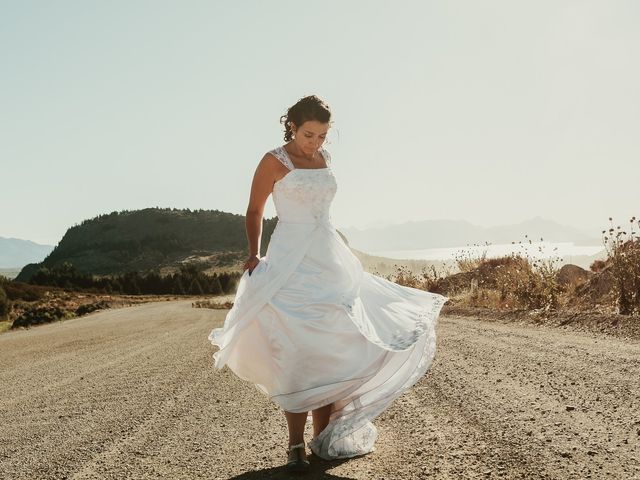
pixel 195 288
pixel 178 288
pixel 214 286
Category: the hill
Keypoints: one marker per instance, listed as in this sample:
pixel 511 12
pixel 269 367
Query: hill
pixel 151 239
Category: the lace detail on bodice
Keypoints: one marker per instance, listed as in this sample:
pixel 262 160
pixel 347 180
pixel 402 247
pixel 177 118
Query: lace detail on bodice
pixel 303 194
pixel 281 154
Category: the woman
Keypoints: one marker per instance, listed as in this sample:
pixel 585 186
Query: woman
pixel 326 341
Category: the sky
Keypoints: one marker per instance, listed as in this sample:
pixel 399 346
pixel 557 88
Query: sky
pixel 491 112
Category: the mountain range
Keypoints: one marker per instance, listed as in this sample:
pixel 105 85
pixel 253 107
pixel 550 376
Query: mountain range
pixel 15 252
pixel 459 233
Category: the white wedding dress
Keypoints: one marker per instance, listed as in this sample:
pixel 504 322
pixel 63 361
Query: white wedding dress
pixel 309 327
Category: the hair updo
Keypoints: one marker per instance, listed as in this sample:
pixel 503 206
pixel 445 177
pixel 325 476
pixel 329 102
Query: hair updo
pixel 306 109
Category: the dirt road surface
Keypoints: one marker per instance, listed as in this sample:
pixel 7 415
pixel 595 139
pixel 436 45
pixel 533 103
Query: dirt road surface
pixel 132 394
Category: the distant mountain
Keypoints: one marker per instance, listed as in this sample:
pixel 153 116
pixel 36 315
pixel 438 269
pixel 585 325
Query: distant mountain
pixel 151 239
pixel 16 253
pixel 459 233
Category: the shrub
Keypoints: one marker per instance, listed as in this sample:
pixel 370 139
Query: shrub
pixel 4 304
pixel 597 266
pixel 515 281
pixel 23 291
pixel 91 307
pixel 212 304
pixel 38 315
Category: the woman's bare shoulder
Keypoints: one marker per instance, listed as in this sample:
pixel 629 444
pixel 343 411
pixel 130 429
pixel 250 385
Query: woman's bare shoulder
pixel 277 158
pixel 270 159
pixel 271 165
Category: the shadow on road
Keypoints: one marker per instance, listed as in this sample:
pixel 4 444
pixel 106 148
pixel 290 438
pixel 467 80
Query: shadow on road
pixel 317 471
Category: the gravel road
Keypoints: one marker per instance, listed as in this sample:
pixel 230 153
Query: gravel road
pixel 132 394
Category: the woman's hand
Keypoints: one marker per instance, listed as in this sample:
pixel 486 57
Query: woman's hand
pixel 251 263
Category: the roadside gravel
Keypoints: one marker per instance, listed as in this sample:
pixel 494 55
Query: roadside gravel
pixel 132 394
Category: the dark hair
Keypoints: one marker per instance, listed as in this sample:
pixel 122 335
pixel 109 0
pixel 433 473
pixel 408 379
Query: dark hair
pixel 306 109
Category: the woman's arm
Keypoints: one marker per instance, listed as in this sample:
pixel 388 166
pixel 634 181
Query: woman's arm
pixel 266 174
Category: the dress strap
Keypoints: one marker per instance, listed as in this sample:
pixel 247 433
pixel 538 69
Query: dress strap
pixel 281 154
pixel 326 155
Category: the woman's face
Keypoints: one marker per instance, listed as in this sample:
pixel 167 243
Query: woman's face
pixel 310 135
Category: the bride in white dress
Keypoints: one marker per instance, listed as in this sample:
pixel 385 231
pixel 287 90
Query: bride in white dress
pixel 323 339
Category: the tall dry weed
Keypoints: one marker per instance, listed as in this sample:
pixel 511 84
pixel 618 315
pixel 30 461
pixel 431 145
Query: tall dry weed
pixel 468 260
pixel 623 256
pixel 426 279
pixel 532 281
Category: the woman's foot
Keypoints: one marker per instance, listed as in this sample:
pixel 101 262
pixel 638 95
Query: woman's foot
pixel 297 458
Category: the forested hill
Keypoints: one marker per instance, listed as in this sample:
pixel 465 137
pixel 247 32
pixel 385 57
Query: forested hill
pixel 149 239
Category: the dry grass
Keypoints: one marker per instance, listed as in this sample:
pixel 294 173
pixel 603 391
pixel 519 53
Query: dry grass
pixel 427 279
pixel 216 305
pixel 623 259
pixel 57 304
pixel 467 260
pixel 522 282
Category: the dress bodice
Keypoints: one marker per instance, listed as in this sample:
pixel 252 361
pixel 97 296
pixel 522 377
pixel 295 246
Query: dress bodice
pixel 304 195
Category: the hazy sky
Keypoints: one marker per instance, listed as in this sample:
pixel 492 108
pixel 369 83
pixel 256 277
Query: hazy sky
pixel 486 111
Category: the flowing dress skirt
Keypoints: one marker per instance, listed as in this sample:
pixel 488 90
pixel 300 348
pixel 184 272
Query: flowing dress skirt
pixel 309 327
